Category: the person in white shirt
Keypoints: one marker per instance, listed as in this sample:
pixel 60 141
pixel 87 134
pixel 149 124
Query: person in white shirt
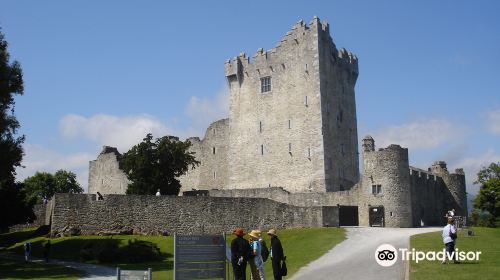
pixel 449 237
pixel 158 192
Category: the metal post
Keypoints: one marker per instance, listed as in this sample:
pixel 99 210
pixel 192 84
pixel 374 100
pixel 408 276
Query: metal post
pixel 175 256
pixel 150 274
pixel 117 273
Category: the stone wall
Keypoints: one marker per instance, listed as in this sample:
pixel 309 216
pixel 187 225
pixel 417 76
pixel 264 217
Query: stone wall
pixel 184 214
pixel 212 153
pixel 105 175
pixel 309 199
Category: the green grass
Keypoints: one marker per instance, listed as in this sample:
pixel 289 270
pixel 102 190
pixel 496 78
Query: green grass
pixel 486 240
pixel 301 246
pixel 20 270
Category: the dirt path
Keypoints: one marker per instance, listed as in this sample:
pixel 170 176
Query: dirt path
pixel 354 258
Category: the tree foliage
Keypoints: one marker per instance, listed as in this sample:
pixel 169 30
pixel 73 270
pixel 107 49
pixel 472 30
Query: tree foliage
pixel 13 209
pixel 44 185
pixel 152 165
pixel 488 198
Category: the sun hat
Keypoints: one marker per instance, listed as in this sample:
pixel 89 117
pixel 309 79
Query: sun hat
pixel 272 232
pixel 238 232
pixel 255 233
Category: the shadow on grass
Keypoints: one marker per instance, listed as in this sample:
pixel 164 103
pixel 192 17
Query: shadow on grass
pixel 9 239
pixel 21 270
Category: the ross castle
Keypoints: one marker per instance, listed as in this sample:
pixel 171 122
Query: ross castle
pixel 291 137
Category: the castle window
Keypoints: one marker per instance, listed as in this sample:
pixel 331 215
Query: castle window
pixel 214 131
pixel 215 175
pixel 305 101
pixel 290 148
pixel 262 149
pixel 309 152
pixel 260 126
pixel 289 124
pixel 265 84
pixel 213 150
pixel 376 189
pixel 390 213
pixel 283 66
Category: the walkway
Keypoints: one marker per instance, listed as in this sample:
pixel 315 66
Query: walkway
pixel 354 258
pixel 94 272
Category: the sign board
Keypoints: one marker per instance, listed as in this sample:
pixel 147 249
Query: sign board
pixel 199 257
pixel 134 274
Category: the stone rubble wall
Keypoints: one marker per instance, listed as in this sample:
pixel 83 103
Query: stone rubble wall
pixel 181 214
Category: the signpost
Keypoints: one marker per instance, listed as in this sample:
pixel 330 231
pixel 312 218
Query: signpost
pixel 199 257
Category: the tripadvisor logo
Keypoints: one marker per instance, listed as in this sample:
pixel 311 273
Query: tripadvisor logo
pixel 387 255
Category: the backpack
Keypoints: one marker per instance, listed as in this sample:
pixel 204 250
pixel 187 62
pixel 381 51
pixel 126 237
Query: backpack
pixel 265 251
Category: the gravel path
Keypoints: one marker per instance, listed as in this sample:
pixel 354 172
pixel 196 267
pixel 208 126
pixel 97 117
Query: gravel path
pixel 354 258
pixel 94 272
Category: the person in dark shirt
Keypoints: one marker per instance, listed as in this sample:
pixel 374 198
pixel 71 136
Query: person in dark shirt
pixel 240 250
pixel 276 254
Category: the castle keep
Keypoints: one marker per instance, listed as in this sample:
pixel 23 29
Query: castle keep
pixel 291 137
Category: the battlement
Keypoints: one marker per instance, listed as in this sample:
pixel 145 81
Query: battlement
pixel 299 34
pixel 420 173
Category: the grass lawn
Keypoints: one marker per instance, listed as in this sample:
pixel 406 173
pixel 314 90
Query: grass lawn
pixel 301 246
pixel 21 270
pixel 486 240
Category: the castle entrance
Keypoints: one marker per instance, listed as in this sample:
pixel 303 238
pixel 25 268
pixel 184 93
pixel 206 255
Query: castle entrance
pixel 376 216
pixel 348 216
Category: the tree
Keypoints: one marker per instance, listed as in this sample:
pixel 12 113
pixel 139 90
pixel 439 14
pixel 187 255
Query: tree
pixel 44 185
pixel 156 165
pixel 488 198
pixel 13 209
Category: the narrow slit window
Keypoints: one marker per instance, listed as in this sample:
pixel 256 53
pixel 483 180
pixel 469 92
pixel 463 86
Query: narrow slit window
pixel 215 175
pixel 289 124
pixel 379 188
pixel 265 84
pixel 213 150
pixel 309 152
pixel 262 149
pixel 290 148
pixel 260 126
pixel 305 101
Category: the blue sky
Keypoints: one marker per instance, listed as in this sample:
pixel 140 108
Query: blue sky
pixel 107 72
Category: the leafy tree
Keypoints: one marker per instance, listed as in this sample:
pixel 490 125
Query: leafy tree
pixel 45 185
pixel 13 209
pixel 152 165
pixel 488 198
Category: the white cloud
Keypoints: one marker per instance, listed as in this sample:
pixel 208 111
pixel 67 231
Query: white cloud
pixel 40 159
pixel 472 165
pixel 494 121
pixel 204 111
pixel 120 132
pixel 419 135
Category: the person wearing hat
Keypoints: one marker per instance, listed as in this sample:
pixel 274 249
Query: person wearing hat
pixel 276 254
pixel 240 250
pixel 449 237
pixel 257 263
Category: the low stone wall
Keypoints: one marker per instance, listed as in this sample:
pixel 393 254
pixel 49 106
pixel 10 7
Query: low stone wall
pixel 348 198
pixel 184 214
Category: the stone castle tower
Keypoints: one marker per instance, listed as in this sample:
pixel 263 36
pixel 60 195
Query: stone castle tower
pixel 292 116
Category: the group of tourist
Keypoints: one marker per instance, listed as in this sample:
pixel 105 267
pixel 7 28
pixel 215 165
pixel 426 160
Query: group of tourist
pixel 255 252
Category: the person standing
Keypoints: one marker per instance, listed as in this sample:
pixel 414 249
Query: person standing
pixel 158 192
pixel 46 251
pixel 449 237
pixel 240 250
pixel 276 254
pixel 257 263
pixel 27 251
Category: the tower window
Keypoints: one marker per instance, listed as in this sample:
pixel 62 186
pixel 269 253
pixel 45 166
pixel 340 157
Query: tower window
pixel 305 101
pixel 289 124
pixel 290 148
pixel 376 189
pixel 309 152
pixel 213 150
pixel 262 149
pixel 215 175
pixel 265 84
pixel 260 126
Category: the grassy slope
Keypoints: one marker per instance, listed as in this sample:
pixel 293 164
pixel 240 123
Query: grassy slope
pixel 301 247
pixel 486 240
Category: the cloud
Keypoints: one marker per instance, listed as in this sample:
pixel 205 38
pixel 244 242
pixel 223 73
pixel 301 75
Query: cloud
pixel 120 132
pixel 419 135
pixel 493 118
pixel 38 158
pixel 472 165
pixel 203 111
